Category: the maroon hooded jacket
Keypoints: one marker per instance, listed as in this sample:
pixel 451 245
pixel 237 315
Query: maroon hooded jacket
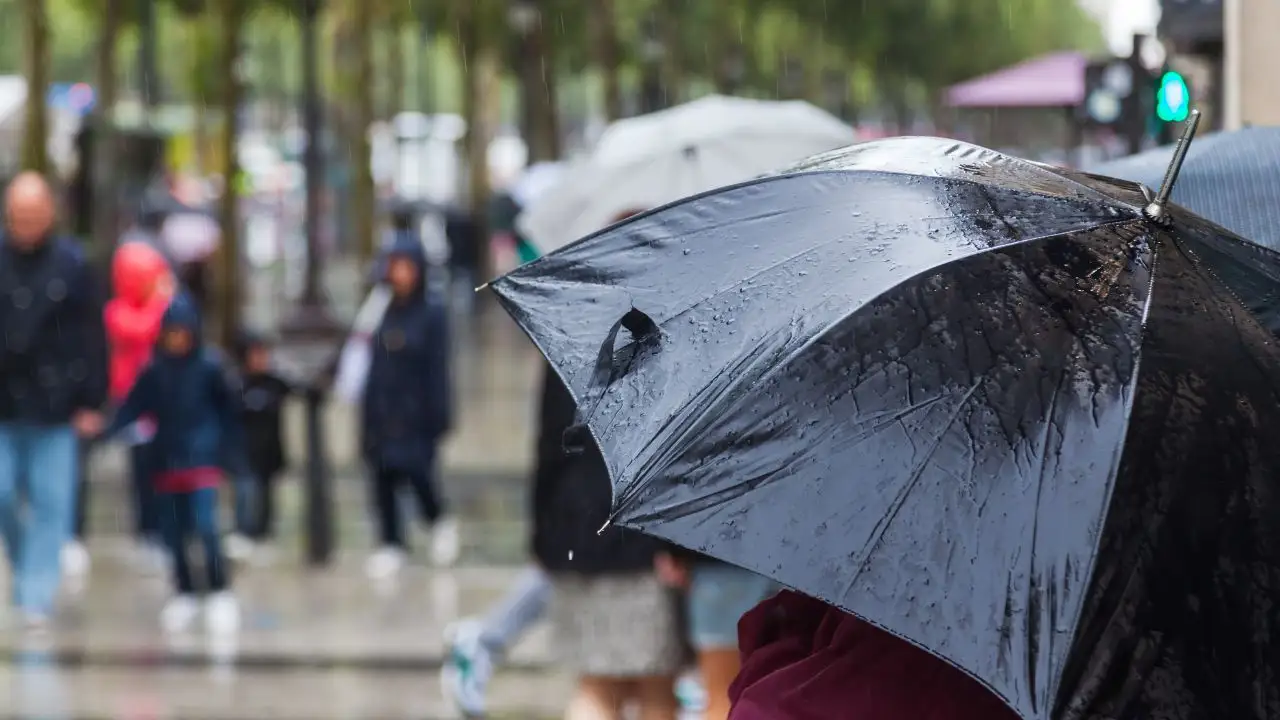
pixel 805 660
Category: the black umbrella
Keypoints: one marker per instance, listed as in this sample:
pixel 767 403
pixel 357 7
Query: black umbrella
pixel 991 407
pixel 1231 178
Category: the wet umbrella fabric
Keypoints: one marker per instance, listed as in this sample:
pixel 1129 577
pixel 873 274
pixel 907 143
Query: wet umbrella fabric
pixel 1231 178
pixel 983 404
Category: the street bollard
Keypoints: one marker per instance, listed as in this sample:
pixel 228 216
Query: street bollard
pixel 307 356
pixel 319 483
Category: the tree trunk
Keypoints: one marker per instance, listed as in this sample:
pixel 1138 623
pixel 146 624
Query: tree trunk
pixel 604 33
pixel 35 142
pixel 366 244
pixel 673 62
pixel 394 98
pixel 231 14
pixel 104 147
pixel 539 91
pixel 200 127
pixel 481 69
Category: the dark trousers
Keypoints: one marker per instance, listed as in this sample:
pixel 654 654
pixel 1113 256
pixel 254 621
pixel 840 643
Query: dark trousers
pixel 261 524
pixel 193 515
pixel 386 499
pixel 142 466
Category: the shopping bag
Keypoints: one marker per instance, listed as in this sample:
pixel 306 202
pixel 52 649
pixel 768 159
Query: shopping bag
pixel 357 351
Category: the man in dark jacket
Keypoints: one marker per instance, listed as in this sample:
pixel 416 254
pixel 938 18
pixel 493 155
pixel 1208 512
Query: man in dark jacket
pixel 198 428
pixel 406 407
pixel 53 382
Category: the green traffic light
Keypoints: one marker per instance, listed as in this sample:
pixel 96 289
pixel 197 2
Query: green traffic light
pixel 1173 99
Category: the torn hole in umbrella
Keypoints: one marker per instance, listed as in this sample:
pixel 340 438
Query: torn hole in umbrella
pixel 612 364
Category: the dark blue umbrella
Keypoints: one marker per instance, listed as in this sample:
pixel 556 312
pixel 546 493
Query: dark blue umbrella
pixel 1231 178
pixel 1020 416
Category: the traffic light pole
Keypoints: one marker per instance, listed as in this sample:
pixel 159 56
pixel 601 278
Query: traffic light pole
pixel 1135 114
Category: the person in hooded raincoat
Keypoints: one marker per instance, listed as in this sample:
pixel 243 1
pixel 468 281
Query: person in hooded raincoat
pixel 805 660
pixel 187 389
pixel 143 285
pixel 406 408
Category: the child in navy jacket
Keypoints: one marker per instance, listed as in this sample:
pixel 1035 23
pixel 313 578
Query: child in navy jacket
pixel 187 390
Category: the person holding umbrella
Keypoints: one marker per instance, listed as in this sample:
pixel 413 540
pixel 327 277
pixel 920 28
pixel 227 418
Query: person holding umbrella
pixel 1021 417
pixel 802 659
pixel 614 623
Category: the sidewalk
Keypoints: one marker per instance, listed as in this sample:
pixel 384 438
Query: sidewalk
pixel 313 645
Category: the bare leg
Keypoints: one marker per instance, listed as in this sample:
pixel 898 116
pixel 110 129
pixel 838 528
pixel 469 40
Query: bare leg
pixel 656 697
pixel 597 698
pixel 718 668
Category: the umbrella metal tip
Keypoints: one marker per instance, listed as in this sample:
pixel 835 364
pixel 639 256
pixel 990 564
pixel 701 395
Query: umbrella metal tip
pixel 1157 211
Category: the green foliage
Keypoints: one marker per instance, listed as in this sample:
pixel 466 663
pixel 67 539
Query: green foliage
pixel 882 46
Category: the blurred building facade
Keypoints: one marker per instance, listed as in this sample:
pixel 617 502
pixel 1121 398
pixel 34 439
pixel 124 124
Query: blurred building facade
pixel 1251 93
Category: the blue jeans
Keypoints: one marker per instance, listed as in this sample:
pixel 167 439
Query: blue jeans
pixel 38 479
pixel 519 610
pixel 719 595
pixel 186 515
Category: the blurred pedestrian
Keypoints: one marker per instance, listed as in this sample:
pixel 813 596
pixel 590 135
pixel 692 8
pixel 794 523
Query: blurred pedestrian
pixel 143 286
pixel 263 393
pixel 197 424
pixel 476 645
pixel 53 384
pixel 406 409
pixel 464 238
pixel 803 660
pixel 717 595
pixel 616 625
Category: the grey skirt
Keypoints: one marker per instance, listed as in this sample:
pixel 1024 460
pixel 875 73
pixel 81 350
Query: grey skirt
pixel 616 625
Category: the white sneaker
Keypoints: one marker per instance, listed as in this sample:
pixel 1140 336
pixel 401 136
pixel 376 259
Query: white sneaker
pixel 239 548
pixel 75 559
pixel 467 668
pixel 222 613
pixel 178 613
pixel 444 542
pixel 384 563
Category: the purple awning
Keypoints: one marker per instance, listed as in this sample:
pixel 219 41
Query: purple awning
pixel 1055 80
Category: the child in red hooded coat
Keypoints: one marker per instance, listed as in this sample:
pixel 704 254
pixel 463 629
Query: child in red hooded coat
pixel 143 286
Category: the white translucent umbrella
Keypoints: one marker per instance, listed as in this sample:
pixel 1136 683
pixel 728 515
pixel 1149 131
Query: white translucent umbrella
pixel 651 160
pixel 536 180
pixel 190 236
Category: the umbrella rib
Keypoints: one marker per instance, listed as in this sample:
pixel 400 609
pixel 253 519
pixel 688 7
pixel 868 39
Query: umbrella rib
pixel 877 533
pixel 627 470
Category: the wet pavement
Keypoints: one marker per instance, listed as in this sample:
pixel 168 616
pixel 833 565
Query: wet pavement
pixel 314 644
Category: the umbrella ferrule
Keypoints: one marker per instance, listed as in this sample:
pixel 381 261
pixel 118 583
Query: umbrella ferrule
pixel 1157 211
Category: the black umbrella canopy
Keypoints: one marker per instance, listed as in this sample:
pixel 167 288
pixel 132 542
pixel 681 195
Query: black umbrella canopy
pixel 1231 178
pixel 981 403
